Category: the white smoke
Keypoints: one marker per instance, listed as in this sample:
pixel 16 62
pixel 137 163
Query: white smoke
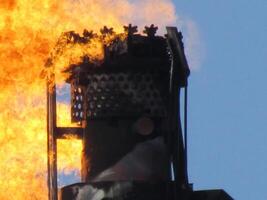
pixel 194 45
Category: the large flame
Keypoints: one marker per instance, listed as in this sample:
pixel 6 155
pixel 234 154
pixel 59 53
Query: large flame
pixel 29 29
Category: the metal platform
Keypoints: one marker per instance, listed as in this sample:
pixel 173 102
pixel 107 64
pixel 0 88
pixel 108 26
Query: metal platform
pixel 136 191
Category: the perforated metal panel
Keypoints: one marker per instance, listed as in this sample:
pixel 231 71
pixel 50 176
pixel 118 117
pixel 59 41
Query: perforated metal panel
pixel 77 103
pixel 124 94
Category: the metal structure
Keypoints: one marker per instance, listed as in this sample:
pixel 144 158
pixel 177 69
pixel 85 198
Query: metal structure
pixel 140 76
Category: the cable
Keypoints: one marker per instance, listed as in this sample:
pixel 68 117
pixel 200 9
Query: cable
pixel 185 124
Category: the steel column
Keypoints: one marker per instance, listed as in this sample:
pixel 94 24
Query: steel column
pixel 51 139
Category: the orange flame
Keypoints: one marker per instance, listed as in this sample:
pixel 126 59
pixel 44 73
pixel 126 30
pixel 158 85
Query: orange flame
pixel 29 29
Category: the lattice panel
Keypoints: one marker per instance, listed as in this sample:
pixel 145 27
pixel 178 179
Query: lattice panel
pixel 123 95
pixel 120 95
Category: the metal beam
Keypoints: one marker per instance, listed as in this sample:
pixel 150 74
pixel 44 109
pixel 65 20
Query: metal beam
pixel 63 131
pixel 51 139
pixel 178 78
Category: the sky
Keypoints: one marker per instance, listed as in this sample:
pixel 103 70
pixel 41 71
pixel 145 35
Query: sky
pixel 227 123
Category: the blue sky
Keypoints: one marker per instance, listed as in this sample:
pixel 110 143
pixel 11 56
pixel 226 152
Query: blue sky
pixel 227 97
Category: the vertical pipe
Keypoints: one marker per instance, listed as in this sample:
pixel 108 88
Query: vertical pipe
pixel 178 143
pixel 185 125
pixel 51 139
pixel 179 74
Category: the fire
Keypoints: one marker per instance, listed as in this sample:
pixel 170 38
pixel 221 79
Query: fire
pixel 29 30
